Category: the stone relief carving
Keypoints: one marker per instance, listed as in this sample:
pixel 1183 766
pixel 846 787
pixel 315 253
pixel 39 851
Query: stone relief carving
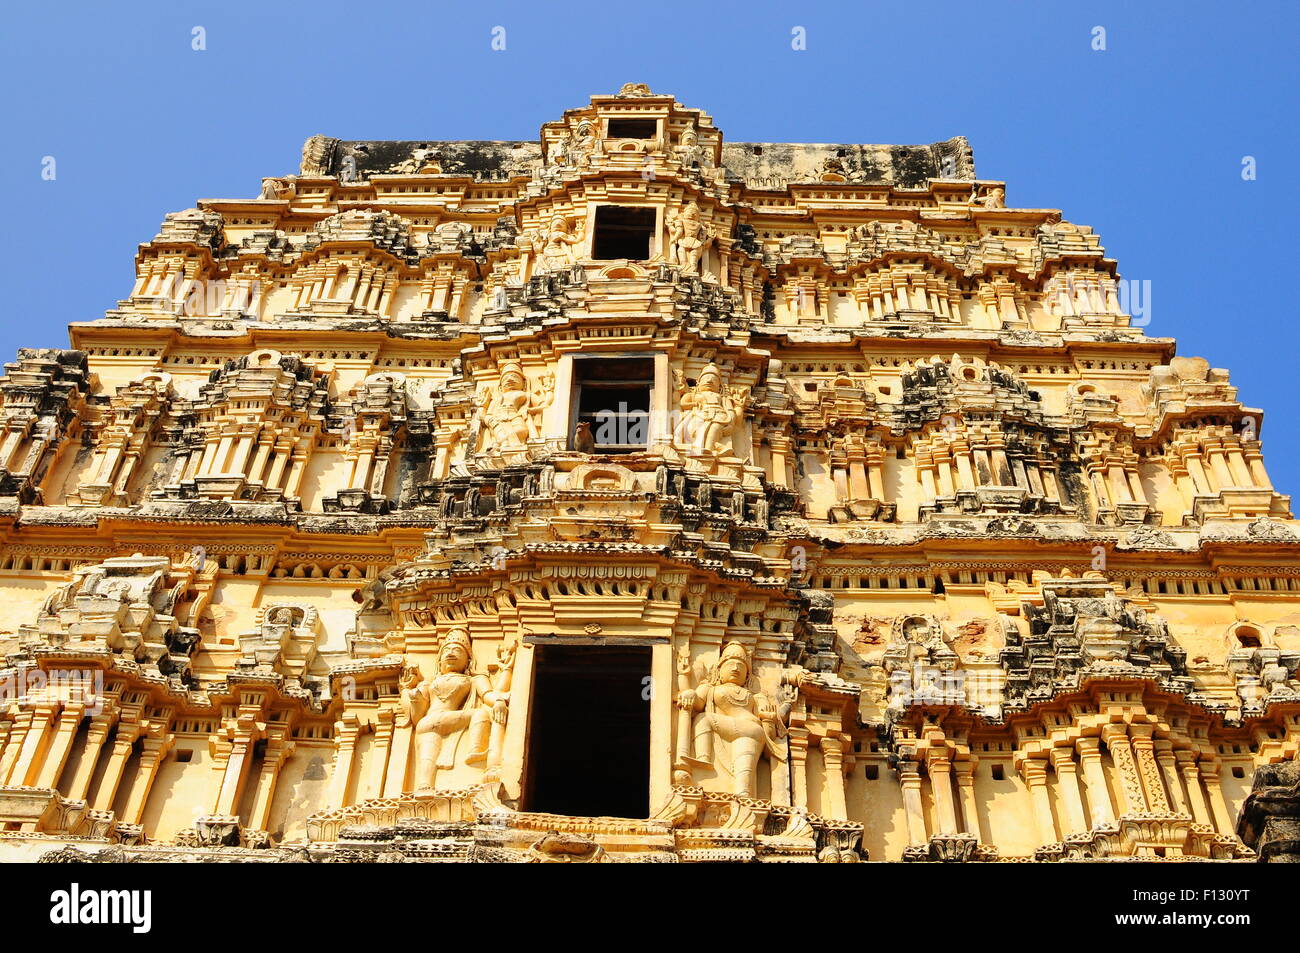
pixel 689 151
pixel 284 643
pixel 921 664
pixel 511 413
pixel 281 189
pixel 735 723
pixel 709 413
pixel 688 238
pixel 558 243
pixel 459 715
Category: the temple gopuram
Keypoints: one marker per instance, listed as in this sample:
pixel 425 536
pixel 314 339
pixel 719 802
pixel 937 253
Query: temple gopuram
pixel 630 494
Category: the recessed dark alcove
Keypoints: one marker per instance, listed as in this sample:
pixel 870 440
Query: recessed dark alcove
pixel 623 231
pixel 589 732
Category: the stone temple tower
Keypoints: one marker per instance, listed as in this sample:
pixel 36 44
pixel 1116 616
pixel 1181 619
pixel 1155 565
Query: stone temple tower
pixel 631 494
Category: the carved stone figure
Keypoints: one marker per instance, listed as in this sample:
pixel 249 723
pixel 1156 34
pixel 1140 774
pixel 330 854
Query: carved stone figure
pixel 509 414
pixel 457 706
pixel 539 398
pixel 579 146
pixel 735 720
pixel 995 197
pixel 281 189
pixel 687 238
pixel 709 413
pixel 689 152
pixel 557 248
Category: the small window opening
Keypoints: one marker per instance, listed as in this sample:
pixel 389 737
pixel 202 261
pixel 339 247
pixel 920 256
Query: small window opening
pixel 633 128
pixel 623 232
pixel 873 772
pixel 184 755
pixel 998 773
pixel 612 397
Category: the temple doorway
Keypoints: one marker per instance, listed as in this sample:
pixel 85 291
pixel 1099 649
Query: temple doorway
pixel 589 731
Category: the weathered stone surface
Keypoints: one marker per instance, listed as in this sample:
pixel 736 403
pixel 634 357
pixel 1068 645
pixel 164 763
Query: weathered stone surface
pixel 632 495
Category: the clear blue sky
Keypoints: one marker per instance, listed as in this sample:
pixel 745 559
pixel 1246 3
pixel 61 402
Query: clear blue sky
pixel 1144 141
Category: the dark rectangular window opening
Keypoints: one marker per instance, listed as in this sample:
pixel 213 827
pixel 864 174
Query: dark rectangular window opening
pixel 623 231
pixel 612 400
pixel 580 765
pixel 633 128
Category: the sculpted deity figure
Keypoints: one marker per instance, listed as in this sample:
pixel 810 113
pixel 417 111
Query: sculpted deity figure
pixel 735 718
pixel 708 413
pixel 994 198
pixel 578 146
pixel 582 144
pixel 279 188
pixel 557 247
pixel 543 393
pixel 508 414
pixel 687 238
pixel 689 152
pixel 457 704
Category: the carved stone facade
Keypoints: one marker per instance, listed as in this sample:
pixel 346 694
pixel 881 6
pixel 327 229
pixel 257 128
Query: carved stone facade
pixel 634 495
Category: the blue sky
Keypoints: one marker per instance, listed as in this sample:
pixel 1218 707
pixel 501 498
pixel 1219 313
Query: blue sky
pixel 1144 141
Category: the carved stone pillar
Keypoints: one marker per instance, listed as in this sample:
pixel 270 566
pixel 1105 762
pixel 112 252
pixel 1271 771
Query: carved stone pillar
pixel 1214 789
pixel 6 729
pixel 1152 783
pixel 108 784
pixel 277 753
pixel 379 754
pixel 236 770
pixel 1195 794
pixel 22 720
pixel 346 731
pixel 1169 771
pixel 100 726
pixel 399 756
pixel 35 743
pixel 859 488
pixel 833 757
pixel 965 773
pixel 1035 774
pixel 780 446
pixel 64 734
pixel 1131 796
pixel 1219 464
pixel 1067 780
pixel 913 814
pixel 799 766
pixel 1099 803
pixel 940 770
pixel 153 749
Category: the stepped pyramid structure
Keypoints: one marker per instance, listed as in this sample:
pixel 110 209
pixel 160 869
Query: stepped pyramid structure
pixel 634 495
